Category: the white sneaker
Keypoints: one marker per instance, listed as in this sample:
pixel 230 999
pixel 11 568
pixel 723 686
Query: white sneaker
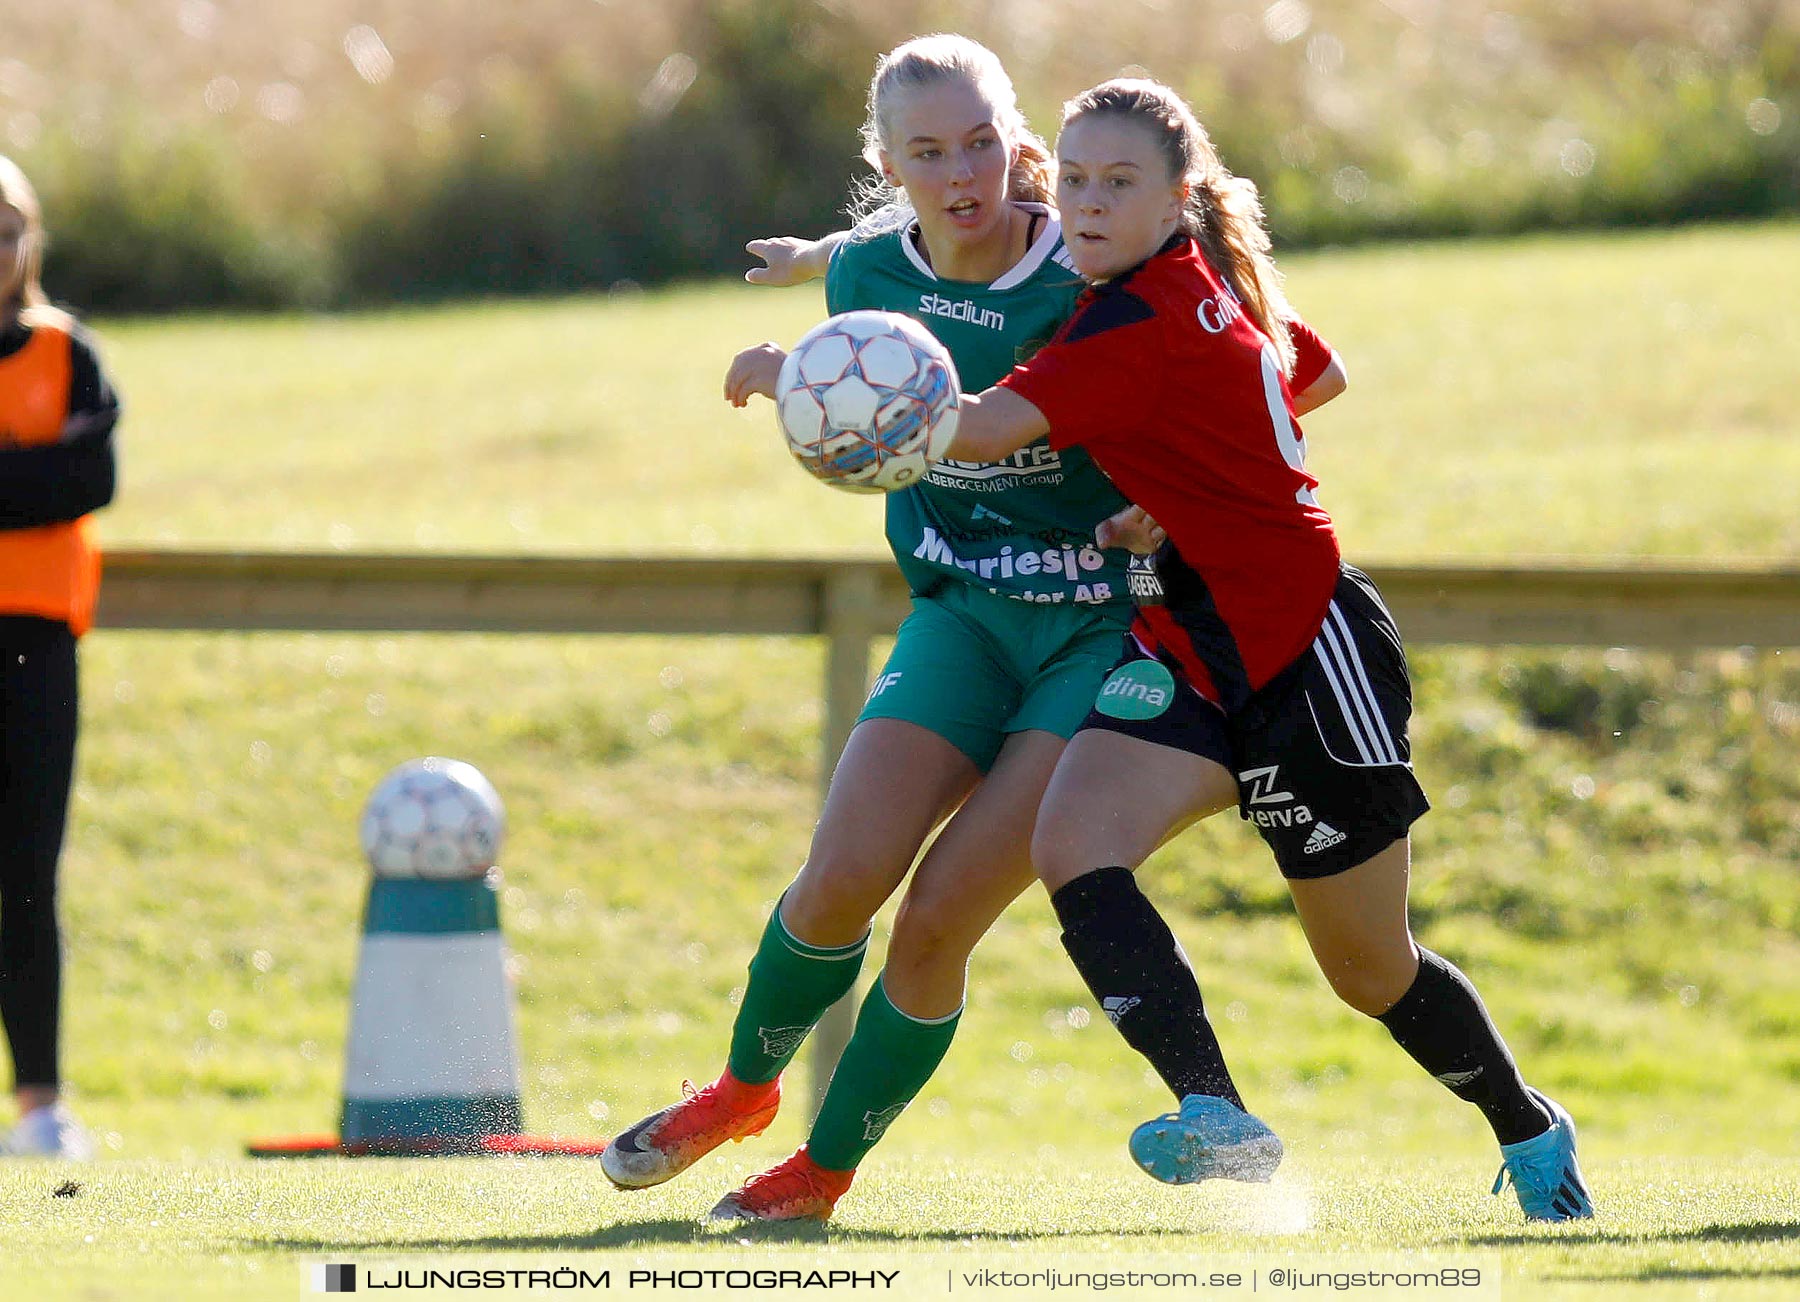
pixel 49 1131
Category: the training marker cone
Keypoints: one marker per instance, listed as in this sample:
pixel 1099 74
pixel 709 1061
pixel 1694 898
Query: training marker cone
pixel 432 1056
pixel 432 1064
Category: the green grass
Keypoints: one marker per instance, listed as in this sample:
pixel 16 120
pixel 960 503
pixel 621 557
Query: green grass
pixel 1674 1229
pixel 1612 855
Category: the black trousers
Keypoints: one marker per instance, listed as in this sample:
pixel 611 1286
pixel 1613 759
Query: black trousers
pixel 38 714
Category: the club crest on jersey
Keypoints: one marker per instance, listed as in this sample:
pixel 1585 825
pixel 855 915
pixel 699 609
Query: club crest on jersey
pixel 1142 689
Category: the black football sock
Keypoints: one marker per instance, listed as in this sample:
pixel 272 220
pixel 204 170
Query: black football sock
pixel 1130 961
pixel 1441 1022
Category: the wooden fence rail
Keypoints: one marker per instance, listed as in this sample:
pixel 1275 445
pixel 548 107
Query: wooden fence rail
pixel 851 602
pixel 1527 603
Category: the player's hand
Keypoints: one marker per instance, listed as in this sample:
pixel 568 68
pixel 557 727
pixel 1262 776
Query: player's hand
pixel 1132 529
pixel 753 371
pixel 789 260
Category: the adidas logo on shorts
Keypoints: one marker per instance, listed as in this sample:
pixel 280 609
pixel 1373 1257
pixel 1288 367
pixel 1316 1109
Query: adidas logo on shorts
pixel 1323 837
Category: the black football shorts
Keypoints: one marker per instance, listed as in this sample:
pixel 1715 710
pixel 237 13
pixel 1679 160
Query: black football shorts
pixel 1323 763
pixel 1321 755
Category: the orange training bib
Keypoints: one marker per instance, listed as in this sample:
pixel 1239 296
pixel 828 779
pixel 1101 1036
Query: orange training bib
pixel 53 570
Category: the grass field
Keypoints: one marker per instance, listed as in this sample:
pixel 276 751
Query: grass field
pixel 1673 1230
pixel 1612 855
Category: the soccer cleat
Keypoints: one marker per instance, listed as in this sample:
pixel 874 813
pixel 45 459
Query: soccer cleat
pixel 798 1189
pixel 1209 1138
pixel 1545 1174
pixel 49 1131
pixel 666 1143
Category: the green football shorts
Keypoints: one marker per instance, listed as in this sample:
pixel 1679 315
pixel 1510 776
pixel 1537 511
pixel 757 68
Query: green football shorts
pixel 973 666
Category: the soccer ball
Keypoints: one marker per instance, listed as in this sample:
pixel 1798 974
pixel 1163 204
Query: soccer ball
pixel 868 400
pixel 433 818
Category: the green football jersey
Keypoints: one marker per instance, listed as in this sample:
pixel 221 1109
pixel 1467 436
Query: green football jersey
pixel 1022 527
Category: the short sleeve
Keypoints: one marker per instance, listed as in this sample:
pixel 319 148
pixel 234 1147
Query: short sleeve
pixel 1311 355
pixel 838 277
pixel 1100 376
pixel 856 258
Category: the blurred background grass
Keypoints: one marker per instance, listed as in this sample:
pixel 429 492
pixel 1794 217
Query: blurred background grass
pixel 218 152
pixel 1598 394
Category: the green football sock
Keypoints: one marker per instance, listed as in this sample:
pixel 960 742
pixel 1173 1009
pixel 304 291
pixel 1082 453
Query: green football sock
pixel 887 1062
pixel 791 985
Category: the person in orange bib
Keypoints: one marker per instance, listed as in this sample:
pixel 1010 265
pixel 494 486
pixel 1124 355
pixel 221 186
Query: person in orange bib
pixel 57 414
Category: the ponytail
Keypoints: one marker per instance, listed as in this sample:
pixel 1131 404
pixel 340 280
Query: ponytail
pixel 1033 175
pixel 1225 214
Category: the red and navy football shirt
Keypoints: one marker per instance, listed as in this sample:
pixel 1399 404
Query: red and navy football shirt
pixel 1178 395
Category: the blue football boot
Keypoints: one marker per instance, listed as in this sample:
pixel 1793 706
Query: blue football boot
pixel 1545 1174
pixel 1209 1138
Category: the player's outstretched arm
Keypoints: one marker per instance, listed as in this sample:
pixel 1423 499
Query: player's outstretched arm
pixel 790 260
pixel 993 425
pixel 1333 381
pixel 754 370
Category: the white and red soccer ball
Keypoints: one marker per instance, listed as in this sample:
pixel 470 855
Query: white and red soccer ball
pixel 434 818
pixel 868 400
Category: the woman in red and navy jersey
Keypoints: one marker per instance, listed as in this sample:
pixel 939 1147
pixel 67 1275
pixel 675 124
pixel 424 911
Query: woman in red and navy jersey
pixel 57 414
pixel 1253 643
